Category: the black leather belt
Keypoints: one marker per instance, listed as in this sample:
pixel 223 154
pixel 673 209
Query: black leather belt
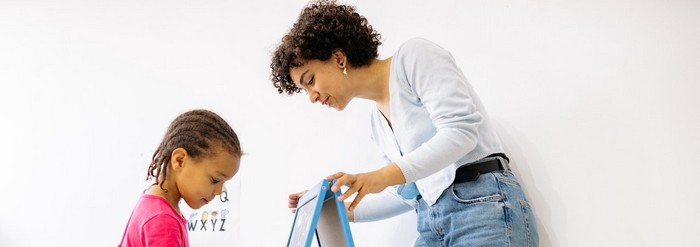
pixel 472 171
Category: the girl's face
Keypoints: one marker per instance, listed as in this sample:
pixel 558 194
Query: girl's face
pixel 324 82
pixel 200 180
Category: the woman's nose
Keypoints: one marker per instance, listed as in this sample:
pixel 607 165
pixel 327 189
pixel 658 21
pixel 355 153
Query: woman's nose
pixel 313 96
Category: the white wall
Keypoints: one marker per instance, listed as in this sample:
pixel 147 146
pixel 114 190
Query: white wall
pixel 594 99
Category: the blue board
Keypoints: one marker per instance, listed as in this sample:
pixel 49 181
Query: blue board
pixel 320 216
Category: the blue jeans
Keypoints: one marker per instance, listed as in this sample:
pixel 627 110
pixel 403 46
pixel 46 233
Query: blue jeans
pixel 491 211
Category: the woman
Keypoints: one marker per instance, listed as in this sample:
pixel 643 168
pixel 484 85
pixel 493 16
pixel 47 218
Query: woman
pixel 443 159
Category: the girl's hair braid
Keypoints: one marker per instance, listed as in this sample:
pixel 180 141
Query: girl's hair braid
pixel 196 131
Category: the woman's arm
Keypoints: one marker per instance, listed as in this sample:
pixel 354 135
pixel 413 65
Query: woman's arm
pixel 439 84
pixel 444 92
pixel 383 205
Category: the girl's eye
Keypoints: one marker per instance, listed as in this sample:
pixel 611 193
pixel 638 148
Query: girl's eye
pixel 311 81
pixel 214 181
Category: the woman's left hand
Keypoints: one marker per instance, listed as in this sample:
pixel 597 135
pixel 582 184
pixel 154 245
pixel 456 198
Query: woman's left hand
pixel 365 183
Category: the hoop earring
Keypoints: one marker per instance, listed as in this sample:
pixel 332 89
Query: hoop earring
pixel 345 71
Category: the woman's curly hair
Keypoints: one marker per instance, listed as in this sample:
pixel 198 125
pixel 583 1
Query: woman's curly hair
pixel 322 27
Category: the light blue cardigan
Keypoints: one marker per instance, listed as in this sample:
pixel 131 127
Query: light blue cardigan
pixel 438 125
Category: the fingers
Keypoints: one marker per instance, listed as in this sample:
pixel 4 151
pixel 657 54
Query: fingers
pixel 357 200
pixel 335 175
pixel 351 181
pixel 296 196
pixel 351 213
pixel 355 184
pixel 343 179
pixel 362 184
pixel 294 199
pixel 293 203
pixel 351 190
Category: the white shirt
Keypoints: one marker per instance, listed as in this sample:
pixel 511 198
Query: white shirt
pixel 438 124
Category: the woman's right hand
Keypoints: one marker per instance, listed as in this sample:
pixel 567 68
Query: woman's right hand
pixel 294 200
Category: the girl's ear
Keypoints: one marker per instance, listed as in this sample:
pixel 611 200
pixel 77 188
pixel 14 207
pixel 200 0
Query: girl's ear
pixel 177 158
pixel 340 58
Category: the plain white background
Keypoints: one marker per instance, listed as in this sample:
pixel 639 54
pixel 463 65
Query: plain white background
pixel 596 101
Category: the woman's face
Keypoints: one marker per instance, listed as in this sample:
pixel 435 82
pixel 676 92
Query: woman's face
pixel 324 82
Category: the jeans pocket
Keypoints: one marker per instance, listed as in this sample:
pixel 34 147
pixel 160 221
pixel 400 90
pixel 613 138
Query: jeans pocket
pixel 507 177
pixel 468 195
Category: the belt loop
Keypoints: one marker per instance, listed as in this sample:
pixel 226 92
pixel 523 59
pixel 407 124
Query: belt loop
pixel 504 162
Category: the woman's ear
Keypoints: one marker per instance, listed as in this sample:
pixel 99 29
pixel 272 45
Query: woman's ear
pixel 177 158
pixel 340 58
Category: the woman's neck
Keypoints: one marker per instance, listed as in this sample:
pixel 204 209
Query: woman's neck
pixel 373 81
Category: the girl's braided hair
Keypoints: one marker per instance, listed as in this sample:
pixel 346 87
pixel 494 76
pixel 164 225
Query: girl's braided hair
pixel 196 131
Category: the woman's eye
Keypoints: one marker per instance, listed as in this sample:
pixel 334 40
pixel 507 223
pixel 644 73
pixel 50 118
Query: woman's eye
pixel 311 81
pixel 214 181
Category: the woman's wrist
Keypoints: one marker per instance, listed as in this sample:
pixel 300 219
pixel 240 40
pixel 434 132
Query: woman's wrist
pixel 392 174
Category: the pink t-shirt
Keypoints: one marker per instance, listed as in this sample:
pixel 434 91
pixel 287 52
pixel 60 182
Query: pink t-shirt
pixel 155 223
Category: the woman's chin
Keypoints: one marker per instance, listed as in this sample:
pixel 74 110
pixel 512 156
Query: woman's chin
pixel 338 107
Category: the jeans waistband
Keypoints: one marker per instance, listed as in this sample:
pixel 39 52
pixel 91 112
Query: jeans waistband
pixel 472 171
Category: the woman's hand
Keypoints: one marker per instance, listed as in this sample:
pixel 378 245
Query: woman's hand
pixel 294 200
pixel 365 183
pixel 350 213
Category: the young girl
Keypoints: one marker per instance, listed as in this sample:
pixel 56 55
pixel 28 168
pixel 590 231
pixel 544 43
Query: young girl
pixel 443 159
pixel 199 152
